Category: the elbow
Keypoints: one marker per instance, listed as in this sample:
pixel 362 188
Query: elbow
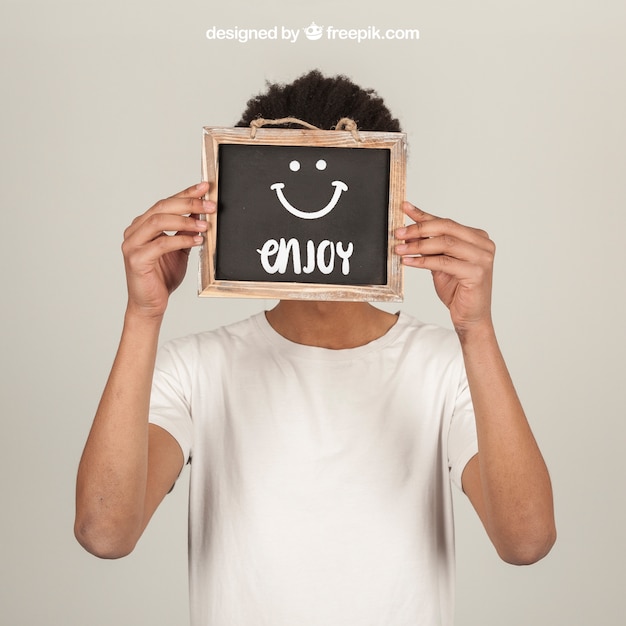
pixel 101 542
pixel 530 548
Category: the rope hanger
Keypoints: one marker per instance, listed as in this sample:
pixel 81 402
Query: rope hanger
pixel 345 123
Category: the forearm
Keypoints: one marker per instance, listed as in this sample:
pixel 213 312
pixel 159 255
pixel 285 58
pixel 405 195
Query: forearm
pixel 516 494
pixel 112 475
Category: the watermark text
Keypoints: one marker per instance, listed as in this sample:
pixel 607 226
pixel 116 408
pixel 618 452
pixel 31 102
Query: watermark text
pixel 312 32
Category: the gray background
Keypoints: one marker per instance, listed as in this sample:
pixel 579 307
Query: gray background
pixel 515 117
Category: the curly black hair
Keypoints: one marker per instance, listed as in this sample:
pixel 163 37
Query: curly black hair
pixel 321 101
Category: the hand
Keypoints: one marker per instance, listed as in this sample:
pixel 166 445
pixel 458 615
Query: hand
pixel 156 262
pixel 460 259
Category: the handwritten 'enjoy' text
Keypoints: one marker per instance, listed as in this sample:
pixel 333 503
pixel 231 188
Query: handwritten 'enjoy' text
pixel 275 256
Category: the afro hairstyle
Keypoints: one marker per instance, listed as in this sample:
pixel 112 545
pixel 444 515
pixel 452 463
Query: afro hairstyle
pixel 321 101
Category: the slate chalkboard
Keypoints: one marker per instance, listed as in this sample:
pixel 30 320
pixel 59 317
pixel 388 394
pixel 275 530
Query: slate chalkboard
pixel 303 214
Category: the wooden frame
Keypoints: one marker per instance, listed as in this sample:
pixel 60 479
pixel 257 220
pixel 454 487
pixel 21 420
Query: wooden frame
pixel 392 291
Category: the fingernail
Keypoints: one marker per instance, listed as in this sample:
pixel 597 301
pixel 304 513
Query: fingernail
pixel 198 239
pixel 208 205
pixel 201 224
pixel 200 185
pixel 400 232
pixel 401 248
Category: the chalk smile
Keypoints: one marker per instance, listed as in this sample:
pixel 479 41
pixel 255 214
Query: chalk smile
pixel 313 215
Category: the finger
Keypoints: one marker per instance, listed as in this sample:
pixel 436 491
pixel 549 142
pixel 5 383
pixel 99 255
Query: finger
pixel 196 191
pixel 461 270
pixel 182 206
pixel 173 206
pixel 415 213
pixel 184 202
pixel 444 227
pixel 427 225
pixel 449 246
pixel 149 253
pixel 155 225
pixel 418 216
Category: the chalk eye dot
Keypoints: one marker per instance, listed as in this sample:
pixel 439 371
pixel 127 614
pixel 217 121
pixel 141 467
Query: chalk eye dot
pixel 294 166
pixel 321 164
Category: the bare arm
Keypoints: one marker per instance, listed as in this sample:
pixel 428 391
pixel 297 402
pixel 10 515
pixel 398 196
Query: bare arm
pixel 127 465
pixel 507 481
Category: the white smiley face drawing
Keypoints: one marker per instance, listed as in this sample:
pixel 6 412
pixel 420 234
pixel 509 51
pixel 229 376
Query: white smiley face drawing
pixel 339 186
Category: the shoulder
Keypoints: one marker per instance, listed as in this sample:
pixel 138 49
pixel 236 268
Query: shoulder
pixel 430 349
pixel 224 338
pixel 428 336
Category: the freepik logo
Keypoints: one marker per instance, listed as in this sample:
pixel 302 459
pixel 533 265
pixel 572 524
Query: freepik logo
pixel 312 32
pixel 370 33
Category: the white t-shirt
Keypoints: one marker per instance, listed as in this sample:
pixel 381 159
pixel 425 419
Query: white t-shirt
pixel 320 479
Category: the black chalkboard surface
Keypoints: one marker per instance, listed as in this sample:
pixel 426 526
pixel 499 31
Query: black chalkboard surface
pixel 303 214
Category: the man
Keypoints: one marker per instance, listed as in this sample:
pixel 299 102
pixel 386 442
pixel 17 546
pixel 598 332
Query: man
pixel 323 436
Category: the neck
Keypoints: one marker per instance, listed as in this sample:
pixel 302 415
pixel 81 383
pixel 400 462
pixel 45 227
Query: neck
pixel 333 325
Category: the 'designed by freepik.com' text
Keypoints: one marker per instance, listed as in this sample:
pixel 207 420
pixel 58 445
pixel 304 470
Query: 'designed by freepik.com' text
pixel 312 32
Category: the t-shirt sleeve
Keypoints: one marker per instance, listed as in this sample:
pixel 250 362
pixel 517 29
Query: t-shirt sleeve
pixel 170 403
pixel 462 440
